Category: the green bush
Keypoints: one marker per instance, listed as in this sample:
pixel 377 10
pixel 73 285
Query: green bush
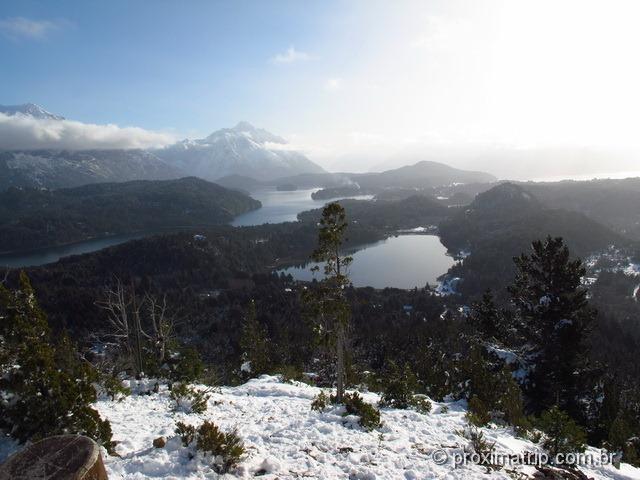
pixel 478 414
pixel 355 405
pixel 561 433
pixel 189 399
pixel 226 448
pixel 47 389
pixel 320 402
pixel 187 366
pixel 113 388
pixel 399 387
pixel 187 433
pixel 478 443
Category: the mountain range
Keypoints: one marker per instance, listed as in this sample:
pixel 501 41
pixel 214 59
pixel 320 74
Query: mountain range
pixel 243 157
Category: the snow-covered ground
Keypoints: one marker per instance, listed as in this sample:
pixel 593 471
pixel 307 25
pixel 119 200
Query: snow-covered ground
pixel 285 439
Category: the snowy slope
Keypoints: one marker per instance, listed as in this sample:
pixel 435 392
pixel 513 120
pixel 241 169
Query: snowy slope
pixel 241 150
pixel 65 168
pixel 286 440
pixel 31 110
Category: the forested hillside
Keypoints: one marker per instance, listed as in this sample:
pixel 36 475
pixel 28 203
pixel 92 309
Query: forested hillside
pixel 32 218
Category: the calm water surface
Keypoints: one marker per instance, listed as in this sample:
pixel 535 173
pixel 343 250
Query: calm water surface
pixel 278 207
pixel 53 254
pixel 405 261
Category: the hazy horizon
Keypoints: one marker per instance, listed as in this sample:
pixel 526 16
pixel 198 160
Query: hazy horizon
pixel 519 89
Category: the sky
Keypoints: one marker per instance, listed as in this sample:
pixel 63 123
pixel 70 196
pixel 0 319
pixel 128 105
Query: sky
pixel 498 85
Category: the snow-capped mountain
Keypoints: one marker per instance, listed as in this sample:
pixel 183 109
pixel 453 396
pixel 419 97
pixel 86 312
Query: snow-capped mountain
pixel 31 110
pixel 241 150
pixel 59 169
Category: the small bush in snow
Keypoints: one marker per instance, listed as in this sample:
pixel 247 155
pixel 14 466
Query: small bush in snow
pixel 369 415
pixel 444 409
pixel 478 413
pixel 399 388
pixel 112 387
pixel 561 433
pixel 226 448
pixel 478 444
pixel 320 402
pixel 187 433
pixel 189 399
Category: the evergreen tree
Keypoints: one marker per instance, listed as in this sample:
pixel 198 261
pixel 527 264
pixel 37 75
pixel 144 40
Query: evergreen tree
pixel 554 311
pixel 486 317
pixel 327 301
pixel 254 342
pixel 562 434
pixel 46 389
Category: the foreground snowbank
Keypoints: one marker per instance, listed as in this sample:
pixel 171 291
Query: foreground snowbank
pixel 286 440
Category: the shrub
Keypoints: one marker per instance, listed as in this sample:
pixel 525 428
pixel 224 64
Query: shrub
pixel 478 413
pixel 189 399
pixel 561 433
pixel 369 415
pixel 188 366
pixel 47 389
pixel 320 402
pixel 478 444
pixel 226 448
pixel 113 388
pixel 444 409
pixel 399 388
pixel 187 433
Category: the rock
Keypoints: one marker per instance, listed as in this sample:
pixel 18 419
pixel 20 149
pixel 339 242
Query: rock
pixel 552 473
pixel 63 457
pixel 159 442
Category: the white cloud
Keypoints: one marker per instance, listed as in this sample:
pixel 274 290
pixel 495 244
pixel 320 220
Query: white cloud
pixel 22 132
pixel 333 84
pixel 20 27
pixel 290 56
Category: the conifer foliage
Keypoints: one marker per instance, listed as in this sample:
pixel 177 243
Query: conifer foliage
pixel 45 389
pixel 327 302
pixel 555 315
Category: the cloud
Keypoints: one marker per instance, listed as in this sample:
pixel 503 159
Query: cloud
pixel 25 28
pixel 22 132
pixel 290 56
pixel 333 84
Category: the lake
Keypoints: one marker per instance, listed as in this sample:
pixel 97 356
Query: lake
pixel 278 207
pixel 53 254
pixel 405 261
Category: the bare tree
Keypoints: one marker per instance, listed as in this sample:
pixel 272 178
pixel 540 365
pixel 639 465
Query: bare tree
pixel 119 304
pixel 131 322
pixel 161 325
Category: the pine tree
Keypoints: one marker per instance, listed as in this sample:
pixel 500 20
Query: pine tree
pixel 486 317
pixel 562 434
pixel 327 302
pixel 553 308
pixel 254 342
pixel 47 390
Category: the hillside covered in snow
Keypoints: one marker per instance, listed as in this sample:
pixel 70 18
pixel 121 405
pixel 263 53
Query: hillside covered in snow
pixel 285 439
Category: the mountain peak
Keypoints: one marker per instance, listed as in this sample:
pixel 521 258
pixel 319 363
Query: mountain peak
pixel 245 129
pixel 30 110
pixel 244 126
